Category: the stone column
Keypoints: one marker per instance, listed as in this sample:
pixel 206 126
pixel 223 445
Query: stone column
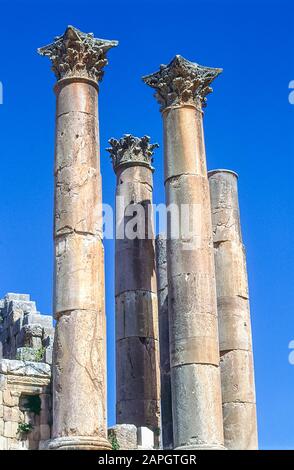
pixel 137 350
pixel 165 380
pixel 237 374
pixel 79 363
pixel 180 88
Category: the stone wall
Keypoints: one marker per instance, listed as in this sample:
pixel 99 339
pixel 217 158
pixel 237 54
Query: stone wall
pixel 26 342
pixel 25 404
pixel 25 334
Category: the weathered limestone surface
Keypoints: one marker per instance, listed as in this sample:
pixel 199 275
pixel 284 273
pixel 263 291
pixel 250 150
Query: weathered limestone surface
pixel 79 364
pixel 137 349
pixel 165 378
pixel 181 88
pixel 129 437
pixel 124 436
pixel 237 373
pixel 25 398
pixel 25 334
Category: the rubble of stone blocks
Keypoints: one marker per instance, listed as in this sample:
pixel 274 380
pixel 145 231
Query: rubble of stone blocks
pixel 25 404
pixel 129 437
pixel 25 334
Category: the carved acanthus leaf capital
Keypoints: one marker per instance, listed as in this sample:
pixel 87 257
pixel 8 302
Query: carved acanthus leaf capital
pixel 78 55
pixel 130 150
pixel 182 82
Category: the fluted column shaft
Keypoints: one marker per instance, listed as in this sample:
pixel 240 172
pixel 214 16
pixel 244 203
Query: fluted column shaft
pixel 137 348
pixel 194 350
pixel 237 372
pixel 79 364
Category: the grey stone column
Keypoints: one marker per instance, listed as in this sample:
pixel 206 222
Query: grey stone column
pixel 181 88
pixel 237 374
pixel 79 363
pixel 165 379
pixel 137 349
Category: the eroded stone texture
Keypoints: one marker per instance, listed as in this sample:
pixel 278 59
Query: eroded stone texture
pixel 123 437
pixel 237 374
pixel 164 347
pixel 137 349
pixel 25 334
pixel 25 398
pixel 181 88
pixel 79 366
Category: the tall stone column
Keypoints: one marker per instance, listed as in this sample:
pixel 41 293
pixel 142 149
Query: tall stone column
pixel 79 364
pixel 181 88
pixel 165 380
pixel 137 350
pixel 237 374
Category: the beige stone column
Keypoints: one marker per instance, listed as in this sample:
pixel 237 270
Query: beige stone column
pixel 165 379
pixel 237 374
pixel 137 350
pixel 180 88
pixel 79 364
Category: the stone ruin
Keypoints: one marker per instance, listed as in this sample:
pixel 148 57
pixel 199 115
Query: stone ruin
pixel 25 334
pixel 26 342
pixel 184 360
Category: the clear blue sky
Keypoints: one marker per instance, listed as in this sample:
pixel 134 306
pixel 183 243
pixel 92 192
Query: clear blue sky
pixel 248 128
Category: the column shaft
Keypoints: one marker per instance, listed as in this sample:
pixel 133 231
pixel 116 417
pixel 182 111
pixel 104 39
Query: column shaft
pixel 79 374
pixel 137 348
pixel 165 379
pixel 79 359
pixel 195 375
pixel 181 89
pixel 237 373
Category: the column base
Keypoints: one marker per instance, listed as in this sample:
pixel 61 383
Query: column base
pixel 200 447
pixel 77 443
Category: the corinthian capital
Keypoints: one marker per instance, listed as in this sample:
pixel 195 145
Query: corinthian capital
pixel 182 82
pixel 77 54
pixel 130 150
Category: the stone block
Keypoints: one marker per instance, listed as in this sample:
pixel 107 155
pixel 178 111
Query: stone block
pixel 34 444
pixel 79 273
pixel 234 323
pixel 197 391
pixel 15 367
pixel 7 398
pixel 237 435
pixel 10 429
pixel 3 381
pixel 145 438
pixel 140 367
pixel 136 314
pixel 125 435
pixel 17 326
pixel 136 275
pixel 139 411
pixel 12 296
pixel 3 443
pixel 44 432
pixel 35 318
pixel 45 416
pixel 14 315
pixel 237 376
pixel 11 414
pixel 33 329
pixel 48 355
pixel 48 332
